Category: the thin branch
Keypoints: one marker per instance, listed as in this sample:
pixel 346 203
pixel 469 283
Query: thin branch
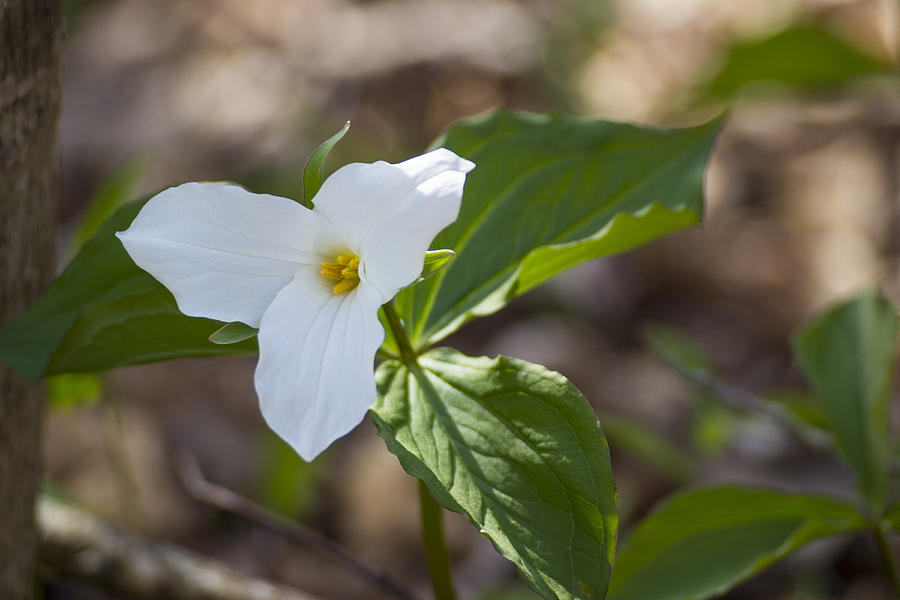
pixel 224 499
pixel 745 401
pixel 78 544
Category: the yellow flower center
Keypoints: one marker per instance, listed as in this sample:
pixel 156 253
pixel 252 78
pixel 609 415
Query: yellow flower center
pixel 344 270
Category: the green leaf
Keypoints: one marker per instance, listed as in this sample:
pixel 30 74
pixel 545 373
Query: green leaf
pixel 104 312
pixel 507 592
pixel 517 449
pixel 134 329
pixel 700 543
pixel 314 172
pixel 848 354
pixel 802 57
pixel 232 333
pixel 549 192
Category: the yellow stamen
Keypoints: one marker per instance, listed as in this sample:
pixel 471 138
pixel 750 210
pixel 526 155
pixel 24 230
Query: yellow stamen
pixel 346 285
pixel 344 270
pixel 331 271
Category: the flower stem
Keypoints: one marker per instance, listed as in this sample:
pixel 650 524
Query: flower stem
pixel 407 354
pixel 432 525
pixel 884 551
pixel 435 548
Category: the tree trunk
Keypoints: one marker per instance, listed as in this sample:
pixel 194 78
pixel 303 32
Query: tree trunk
pixel 30 41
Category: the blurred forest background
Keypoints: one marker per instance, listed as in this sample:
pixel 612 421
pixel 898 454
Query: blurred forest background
pixel 802 210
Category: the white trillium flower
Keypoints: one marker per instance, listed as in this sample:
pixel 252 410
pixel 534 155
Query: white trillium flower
pixel 312 281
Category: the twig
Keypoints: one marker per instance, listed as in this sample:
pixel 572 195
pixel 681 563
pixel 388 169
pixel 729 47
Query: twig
pixel 78 544
pixel 743 400
pixel 224 499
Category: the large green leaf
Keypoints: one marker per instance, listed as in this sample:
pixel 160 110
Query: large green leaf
pixel 701 543
pixel 804 57
pixel 517 449
pixel 848 354
pixel 103 312
pixel 549 192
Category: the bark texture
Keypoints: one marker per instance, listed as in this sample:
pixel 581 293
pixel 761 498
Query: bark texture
pixel 30 40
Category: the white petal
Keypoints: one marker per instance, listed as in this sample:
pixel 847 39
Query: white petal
pixel 358 194
pixel 393 251
pixel 222 251
pixel 316 356
pixel 425 166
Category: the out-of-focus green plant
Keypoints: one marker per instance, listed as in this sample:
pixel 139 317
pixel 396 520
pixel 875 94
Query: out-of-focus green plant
pixel 801 58
pixel 74 389
pixel 702 542
pixel 627 436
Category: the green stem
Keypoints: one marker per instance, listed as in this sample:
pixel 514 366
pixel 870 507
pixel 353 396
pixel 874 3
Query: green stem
pixel 432 524
pixel 407 354
pixel 435 548
pixel 887 559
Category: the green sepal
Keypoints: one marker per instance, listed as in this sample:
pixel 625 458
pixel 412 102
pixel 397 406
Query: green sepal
pixel 435 260
pixel 313 173
pixel 232 333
